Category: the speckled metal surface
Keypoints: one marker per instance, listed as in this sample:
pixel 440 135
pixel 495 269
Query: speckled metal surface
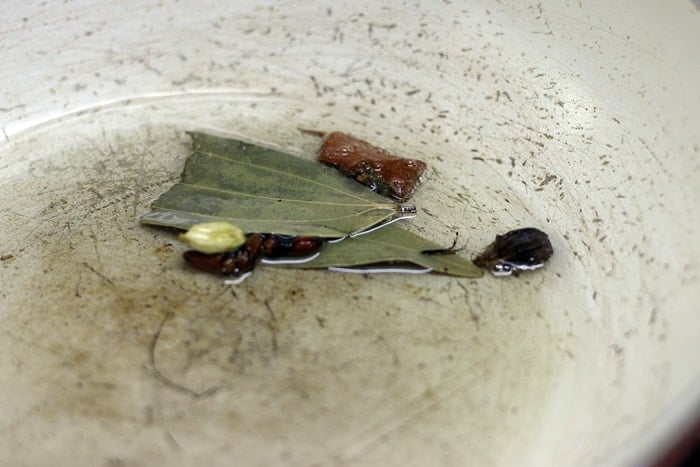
pixel 578 119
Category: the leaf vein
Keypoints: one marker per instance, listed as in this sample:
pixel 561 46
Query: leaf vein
pixel 285 174
pixel 388 206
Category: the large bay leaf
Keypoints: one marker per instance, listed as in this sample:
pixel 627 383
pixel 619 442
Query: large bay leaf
pixel 391 245
pixel 264 190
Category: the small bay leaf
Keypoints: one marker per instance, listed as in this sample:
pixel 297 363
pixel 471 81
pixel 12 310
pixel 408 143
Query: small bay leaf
pixel 391 245
pixel 264 190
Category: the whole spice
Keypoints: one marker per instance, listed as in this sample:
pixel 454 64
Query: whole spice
pixel 384 173
pixel 245 258
pixel 515 251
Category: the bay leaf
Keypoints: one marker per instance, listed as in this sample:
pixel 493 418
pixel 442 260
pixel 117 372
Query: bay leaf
pixel 391 245
pixel 265 190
